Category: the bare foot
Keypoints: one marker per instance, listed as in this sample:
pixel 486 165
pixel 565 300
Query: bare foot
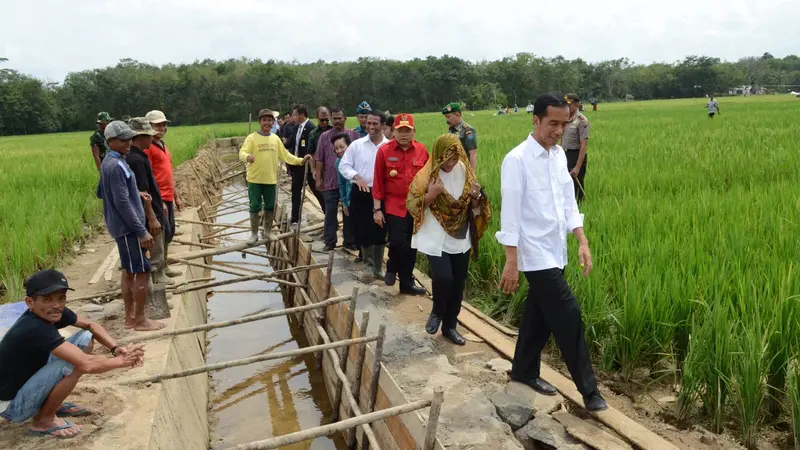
pixel 130 322
pixel 149 325
pixel 66 431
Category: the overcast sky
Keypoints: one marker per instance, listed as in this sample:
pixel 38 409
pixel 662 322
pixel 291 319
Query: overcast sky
pixel 50 38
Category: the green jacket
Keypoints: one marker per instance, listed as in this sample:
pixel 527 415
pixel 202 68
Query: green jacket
pixel 98 140
pixel 313 138
pixel 467 136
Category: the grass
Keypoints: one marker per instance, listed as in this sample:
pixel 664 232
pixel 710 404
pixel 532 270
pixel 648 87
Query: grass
pixel 693 225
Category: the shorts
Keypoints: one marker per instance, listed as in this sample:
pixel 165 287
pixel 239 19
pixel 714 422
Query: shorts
pixel 34 392
pixel 131 254
pixel 711 114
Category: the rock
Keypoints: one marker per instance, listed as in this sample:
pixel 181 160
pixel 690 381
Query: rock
pixel 98 423
pixel 543 429
pixel 590 434
pixel 499 365
pixel 91 250
pixel 91 308
pixel 667 399
pixel 422 351
pixel 114 310
pixel 459 438
pixel 541 404
pixel 514 411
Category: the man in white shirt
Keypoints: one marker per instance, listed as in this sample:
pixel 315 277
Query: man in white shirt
pixel 538 209
pixel 358 166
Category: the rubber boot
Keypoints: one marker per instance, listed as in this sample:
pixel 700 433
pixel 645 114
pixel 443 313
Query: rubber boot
pixel 269 218
pixel 168 271
pixel 368 275
pixel 377 258
pixel 254 223
pixel 160 278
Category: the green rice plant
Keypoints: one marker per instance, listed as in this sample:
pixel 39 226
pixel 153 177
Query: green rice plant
pixel 793 393
pixel 748 380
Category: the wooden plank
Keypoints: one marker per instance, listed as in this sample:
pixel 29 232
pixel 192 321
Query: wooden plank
pixel 589 434
pixel 111 267
pixel 102 269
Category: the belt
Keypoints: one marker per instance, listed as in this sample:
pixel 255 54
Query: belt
pixel 573 149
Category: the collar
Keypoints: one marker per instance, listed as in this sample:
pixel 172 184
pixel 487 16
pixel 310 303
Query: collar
pixel 262 133
pixel 114 154
pixel 303 123
pixel 536 147
pixel 383 141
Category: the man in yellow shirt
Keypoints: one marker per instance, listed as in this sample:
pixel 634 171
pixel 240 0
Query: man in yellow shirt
pixel 262 152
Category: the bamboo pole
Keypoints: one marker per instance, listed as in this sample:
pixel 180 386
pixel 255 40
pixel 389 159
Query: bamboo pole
pixel 229 323
pixel 337 395
pixel 113 292
pixel 376 372
pixel 244 361
pixel 243 245
pixel 433 418
pixel 223 234
pixel 221 225
pixel 228 213
pixel 359 369
pixel 204 245
pixel 327 430
pixel 262 277
pixel 212 267
pixel 233 175
pixel 306 286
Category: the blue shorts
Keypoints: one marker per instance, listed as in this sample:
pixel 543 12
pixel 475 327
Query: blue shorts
pixel 131 255
pixel 34 392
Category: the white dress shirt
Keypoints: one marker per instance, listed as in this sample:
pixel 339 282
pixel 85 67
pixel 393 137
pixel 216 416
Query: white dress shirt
pixel 297 136
pixel 538 207
pixel 432 239
pixel 359 159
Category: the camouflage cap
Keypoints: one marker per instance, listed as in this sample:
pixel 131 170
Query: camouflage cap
pixel 451 108
pixel 141 125
pixel 572 98
pixel 104 117
pixel 119 130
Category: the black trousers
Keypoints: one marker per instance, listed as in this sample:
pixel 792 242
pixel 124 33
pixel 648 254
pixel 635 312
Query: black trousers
pixel 169 224
pixel 368 233
pixel 572 160
pixel 402 257
pixel 449 274
pixel 551 307
pixel 297 190
pixel 331 226
pixel 348 228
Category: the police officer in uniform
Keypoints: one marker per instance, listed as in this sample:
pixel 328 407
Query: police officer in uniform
pixel 466 134
pixel 574 142
pixel 98 141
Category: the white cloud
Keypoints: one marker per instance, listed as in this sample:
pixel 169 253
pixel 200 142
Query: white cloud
pixel 49 38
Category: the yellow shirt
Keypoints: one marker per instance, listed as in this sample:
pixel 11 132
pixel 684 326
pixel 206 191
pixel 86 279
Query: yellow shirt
pixel 267 151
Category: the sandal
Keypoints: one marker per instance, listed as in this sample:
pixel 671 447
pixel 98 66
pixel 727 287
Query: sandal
pixel 50 431
pixel 64 411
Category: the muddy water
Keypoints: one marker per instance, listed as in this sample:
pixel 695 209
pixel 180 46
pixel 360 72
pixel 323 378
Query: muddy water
pixel 270 398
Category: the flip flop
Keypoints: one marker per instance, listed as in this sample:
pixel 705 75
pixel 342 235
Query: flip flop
pixel 64 411
pixel 50 431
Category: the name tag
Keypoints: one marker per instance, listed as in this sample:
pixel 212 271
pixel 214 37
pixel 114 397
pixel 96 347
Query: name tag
pixel 394 159
pixel 303 142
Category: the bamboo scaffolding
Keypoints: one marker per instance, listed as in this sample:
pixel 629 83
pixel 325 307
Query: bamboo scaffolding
pixel 212 224
pixel 212 267
pixel 433 419
pixel 351 318
pixel 230 323
pixel 203 245
pixel 233 175
pixel 376 372
pixel 360 357
pixel 243 245
pixel 245 361
pixel 327 430
pixel 266 277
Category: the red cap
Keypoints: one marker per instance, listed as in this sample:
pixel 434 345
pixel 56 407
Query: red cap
pixel 403 120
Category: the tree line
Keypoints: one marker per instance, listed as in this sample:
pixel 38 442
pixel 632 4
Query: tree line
pixel 211 91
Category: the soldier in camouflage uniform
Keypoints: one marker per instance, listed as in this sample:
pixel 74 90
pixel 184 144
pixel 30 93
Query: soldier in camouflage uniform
pixel 466 134
pixel 574 141
pixel 98 141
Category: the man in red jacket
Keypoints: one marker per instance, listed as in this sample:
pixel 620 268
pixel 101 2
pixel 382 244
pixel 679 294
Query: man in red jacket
pixel 396 164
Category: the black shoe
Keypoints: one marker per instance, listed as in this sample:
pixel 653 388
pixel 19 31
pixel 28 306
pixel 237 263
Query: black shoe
pixel 594 402
pixel 328 248
pixel 412 289
pixel 540 386
pixel 433 324
pixel 390 278
pixel 454 336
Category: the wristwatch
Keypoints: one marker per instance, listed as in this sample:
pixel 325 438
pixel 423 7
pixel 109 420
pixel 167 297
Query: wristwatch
pixel 114 350
pixel 376 210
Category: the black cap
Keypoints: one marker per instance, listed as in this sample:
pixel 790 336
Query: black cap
pixel 46 282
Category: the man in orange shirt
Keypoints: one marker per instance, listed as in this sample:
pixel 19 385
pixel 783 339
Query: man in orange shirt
pixel 161 160
pixel 396 164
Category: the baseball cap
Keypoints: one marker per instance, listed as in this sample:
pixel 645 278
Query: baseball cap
pixel 120 130
pixel 268 112
pixel 140 125
pixel 451 108
pixel 403 120
pixel 572 98
pixel 156 116
pixel 46 282
pixel 104 117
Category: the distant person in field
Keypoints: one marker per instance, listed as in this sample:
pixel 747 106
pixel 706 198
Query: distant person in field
pixel 358 167
pixel 466 134
pixel 451 212
pixel 396 164
pixel 361 114
pixel 98 142
pixel 261 152
pixel 516 109
pixel 529 108
pixel 302 148
pixel 574 142
pixel 161 162
pixel 155 211
pixel 125 219
pixel 594 102
pixel 713 107
pixel 328 178
pixel 39 369
pixel 538 209
pixel 388 128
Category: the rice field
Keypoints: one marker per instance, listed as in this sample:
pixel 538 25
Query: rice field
pixel 692 222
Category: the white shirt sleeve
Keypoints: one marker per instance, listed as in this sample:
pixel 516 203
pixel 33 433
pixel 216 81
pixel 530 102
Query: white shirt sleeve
pixel 572 215
pixel 347 164
pixel 512 184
